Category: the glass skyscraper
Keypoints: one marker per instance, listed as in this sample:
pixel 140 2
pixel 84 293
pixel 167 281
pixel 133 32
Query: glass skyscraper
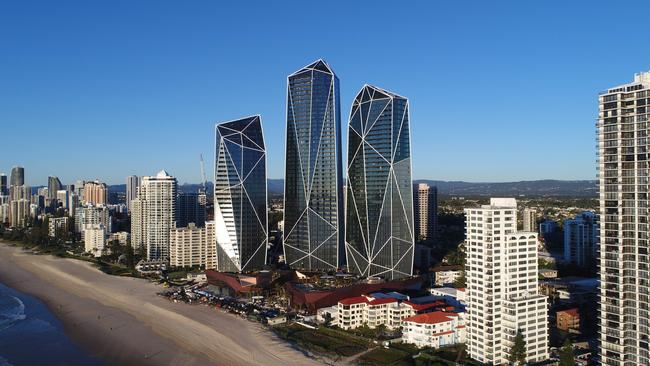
pixel 379 224
pixel 240 203
pixel 313 193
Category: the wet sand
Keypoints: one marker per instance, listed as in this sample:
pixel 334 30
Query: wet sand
pixel 124 322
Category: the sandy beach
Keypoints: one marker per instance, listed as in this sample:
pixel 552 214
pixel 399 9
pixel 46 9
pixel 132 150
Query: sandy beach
pixel 124 322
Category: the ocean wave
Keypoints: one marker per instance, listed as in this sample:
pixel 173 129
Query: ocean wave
pixel 12 310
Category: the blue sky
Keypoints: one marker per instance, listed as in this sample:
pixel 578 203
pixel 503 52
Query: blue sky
pixel 499 90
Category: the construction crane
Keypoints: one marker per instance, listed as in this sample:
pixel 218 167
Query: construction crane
pixel 205 180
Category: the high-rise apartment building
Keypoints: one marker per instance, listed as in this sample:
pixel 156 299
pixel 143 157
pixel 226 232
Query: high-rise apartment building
pixel 95 193
pixel 193 246
pixel 240 197
pixel 191 209
pixel 379 225
pixel 313 194
pixel 503 298
pixel 581 239
pixel 529 219
pixel 158 195
pixel 4 188
pixel 53 186
pixel 132 184
pixel 137 223
pixel 425 211
pixel 90 215
pixel 95 239
pixel 62 198
pixel 17 176
pixel 624 315
pixel 20 197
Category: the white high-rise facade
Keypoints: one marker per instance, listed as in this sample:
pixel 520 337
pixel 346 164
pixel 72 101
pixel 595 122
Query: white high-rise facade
pixel 502 288
pixel 158 195
pixel 624 315
pixel 581 239
pixel 137 223
pixel 193 246
pixel 132 184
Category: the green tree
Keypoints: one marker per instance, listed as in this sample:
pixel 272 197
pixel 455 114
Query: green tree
pixel 566 354
pixel 517 354
pixel 128 252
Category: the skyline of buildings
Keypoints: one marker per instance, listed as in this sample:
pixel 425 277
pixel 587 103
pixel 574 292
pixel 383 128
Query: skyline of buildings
pixel 313 196
pixel 379 236
pixel 386 214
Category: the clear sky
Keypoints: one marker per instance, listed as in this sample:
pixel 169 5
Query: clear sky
pixel 499 90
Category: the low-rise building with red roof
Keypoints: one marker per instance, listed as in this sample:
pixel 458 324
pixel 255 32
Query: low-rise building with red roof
pixel 568 320
pixel 435 329
pixel 372 311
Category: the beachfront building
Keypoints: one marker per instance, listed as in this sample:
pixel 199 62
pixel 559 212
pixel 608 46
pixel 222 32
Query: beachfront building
pixel 624 286
pixel 313 194
pixel 95 193
pixel 158 197
pixel 57 226
pixel 373 310
pixel 90 215
pixel 137 223
pixel 581 239
pixel 434 330
pixel 502 286
pixel 193 246
pixel 95 239
pixel 240 199
pixel 379 233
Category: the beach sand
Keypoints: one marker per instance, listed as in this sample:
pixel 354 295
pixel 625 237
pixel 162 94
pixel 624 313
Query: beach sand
pixel 124 322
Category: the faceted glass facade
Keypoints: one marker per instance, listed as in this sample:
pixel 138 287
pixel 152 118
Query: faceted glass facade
pixel 379 216
pixel 240 196
pixel 313 204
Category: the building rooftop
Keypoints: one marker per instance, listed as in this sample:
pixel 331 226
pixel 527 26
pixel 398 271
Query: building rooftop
pixel 431 318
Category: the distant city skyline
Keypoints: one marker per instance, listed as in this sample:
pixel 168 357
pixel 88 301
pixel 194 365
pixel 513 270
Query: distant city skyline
pixel 488 104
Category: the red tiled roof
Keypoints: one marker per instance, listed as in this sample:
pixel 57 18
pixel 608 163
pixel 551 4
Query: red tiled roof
pixel 428 305
pixel 354 300
pixel 431 318
pixel 572 312
pixel 382 301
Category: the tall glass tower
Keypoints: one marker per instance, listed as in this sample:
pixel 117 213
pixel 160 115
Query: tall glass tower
pixel 313 191
pixel 379 216
pixel 240 203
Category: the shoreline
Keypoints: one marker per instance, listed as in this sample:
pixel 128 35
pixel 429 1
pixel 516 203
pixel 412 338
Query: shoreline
pixel 122 320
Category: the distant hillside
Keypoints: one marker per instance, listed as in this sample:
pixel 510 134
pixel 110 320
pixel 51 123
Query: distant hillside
pixel 548 187
pixel 537 188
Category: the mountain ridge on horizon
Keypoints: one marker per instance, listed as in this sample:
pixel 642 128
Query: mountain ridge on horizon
pixel 540 187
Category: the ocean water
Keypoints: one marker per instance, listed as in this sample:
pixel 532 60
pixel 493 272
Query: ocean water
pixel 31 335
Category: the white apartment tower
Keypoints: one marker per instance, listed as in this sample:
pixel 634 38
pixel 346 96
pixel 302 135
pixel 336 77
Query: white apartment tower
pixel 502 290
pixel 624 316
pixel 193 246
pixel 158 196
pixel 530 219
